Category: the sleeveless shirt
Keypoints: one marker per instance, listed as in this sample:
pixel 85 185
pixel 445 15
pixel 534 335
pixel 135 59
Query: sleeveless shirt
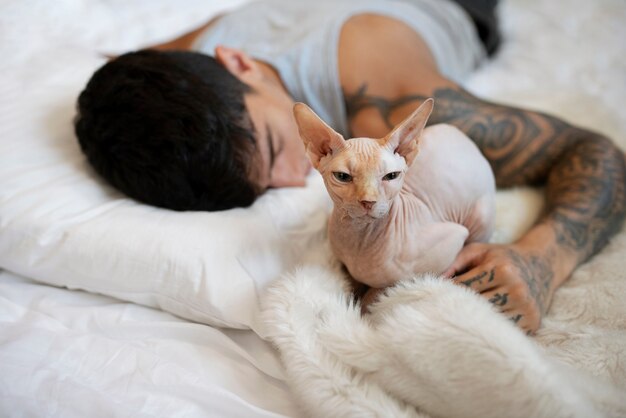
pixel 300 39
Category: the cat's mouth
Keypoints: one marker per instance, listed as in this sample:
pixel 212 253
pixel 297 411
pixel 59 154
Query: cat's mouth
pixel 369 214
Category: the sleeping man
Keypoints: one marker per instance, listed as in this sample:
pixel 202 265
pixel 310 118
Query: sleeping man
pixel 179 128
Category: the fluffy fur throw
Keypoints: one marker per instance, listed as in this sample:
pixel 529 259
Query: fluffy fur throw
pixel 429 348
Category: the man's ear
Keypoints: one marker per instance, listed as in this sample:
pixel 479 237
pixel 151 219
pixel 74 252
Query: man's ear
pixel 404 138
pixel 238 63
pixel 319 139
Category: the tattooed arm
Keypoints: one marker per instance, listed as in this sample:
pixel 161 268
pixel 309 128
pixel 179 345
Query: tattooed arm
pixel 584 177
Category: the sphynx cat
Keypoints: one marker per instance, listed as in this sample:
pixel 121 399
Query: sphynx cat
pixel 404 204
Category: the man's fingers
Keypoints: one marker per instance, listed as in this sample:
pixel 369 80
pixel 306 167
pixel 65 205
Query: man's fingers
pixel 515 313
pixel 465 260
pixel 448 274
pixel 479 279
pixel 523 321
pixel 499 298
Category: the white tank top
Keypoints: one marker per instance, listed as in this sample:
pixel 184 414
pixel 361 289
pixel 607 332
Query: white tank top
pixel 300 39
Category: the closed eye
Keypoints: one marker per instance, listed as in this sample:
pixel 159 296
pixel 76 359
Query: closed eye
pixel 391 176
pixel 342 177
pixel 271 145
pixel 270 141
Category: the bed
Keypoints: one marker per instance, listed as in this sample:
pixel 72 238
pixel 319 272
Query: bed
pixel 113 308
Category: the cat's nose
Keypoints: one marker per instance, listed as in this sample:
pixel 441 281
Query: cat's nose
pixel 367 204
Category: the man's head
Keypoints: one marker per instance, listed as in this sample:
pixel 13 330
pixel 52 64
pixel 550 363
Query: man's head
pixel 175 129
pixel 282 160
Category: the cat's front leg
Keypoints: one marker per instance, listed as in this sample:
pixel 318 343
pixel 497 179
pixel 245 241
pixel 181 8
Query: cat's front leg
pixel 481 220
pixel 434 247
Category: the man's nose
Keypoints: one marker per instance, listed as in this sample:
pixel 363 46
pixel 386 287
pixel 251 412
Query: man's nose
pixel 367 204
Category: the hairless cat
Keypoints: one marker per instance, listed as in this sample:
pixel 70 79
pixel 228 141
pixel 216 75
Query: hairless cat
pixel 404 204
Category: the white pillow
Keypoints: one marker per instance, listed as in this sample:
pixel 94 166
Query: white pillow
pixel 60 224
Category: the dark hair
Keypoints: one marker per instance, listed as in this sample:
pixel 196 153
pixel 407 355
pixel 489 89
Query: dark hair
pixel 169 129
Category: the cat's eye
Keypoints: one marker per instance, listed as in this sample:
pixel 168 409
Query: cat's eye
pixel 342 177
pixel 391 176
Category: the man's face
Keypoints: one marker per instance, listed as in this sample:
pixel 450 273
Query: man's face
pixel 281 156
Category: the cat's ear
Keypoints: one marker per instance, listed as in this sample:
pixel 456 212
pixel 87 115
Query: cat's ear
pixel 405 137
pixel 319 139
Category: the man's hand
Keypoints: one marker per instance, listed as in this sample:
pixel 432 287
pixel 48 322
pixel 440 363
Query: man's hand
pixel 515 280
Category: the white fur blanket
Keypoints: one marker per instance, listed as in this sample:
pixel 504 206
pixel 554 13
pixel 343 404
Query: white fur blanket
pixel 429 348
pixel 433 349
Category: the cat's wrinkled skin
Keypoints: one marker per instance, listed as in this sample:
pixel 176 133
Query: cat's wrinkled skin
pixel 403 204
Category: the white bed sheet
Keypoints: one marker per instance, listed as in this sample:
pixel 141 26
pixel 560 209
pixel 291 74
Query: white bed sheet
pixel 70 353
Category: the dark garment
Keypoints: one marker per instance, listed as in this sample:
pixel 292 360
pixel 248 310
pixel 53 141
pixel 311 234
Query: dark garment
pixel 483 13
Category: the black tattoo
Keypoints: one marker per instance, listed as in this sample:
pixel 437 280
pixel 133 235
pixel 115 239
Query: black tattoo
pixel 478 278
pixel 359 101
pixel 510 138
pixel 499 300
pixel 537 273
pixel 584 173
pixel 516 318
pixel 587 193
